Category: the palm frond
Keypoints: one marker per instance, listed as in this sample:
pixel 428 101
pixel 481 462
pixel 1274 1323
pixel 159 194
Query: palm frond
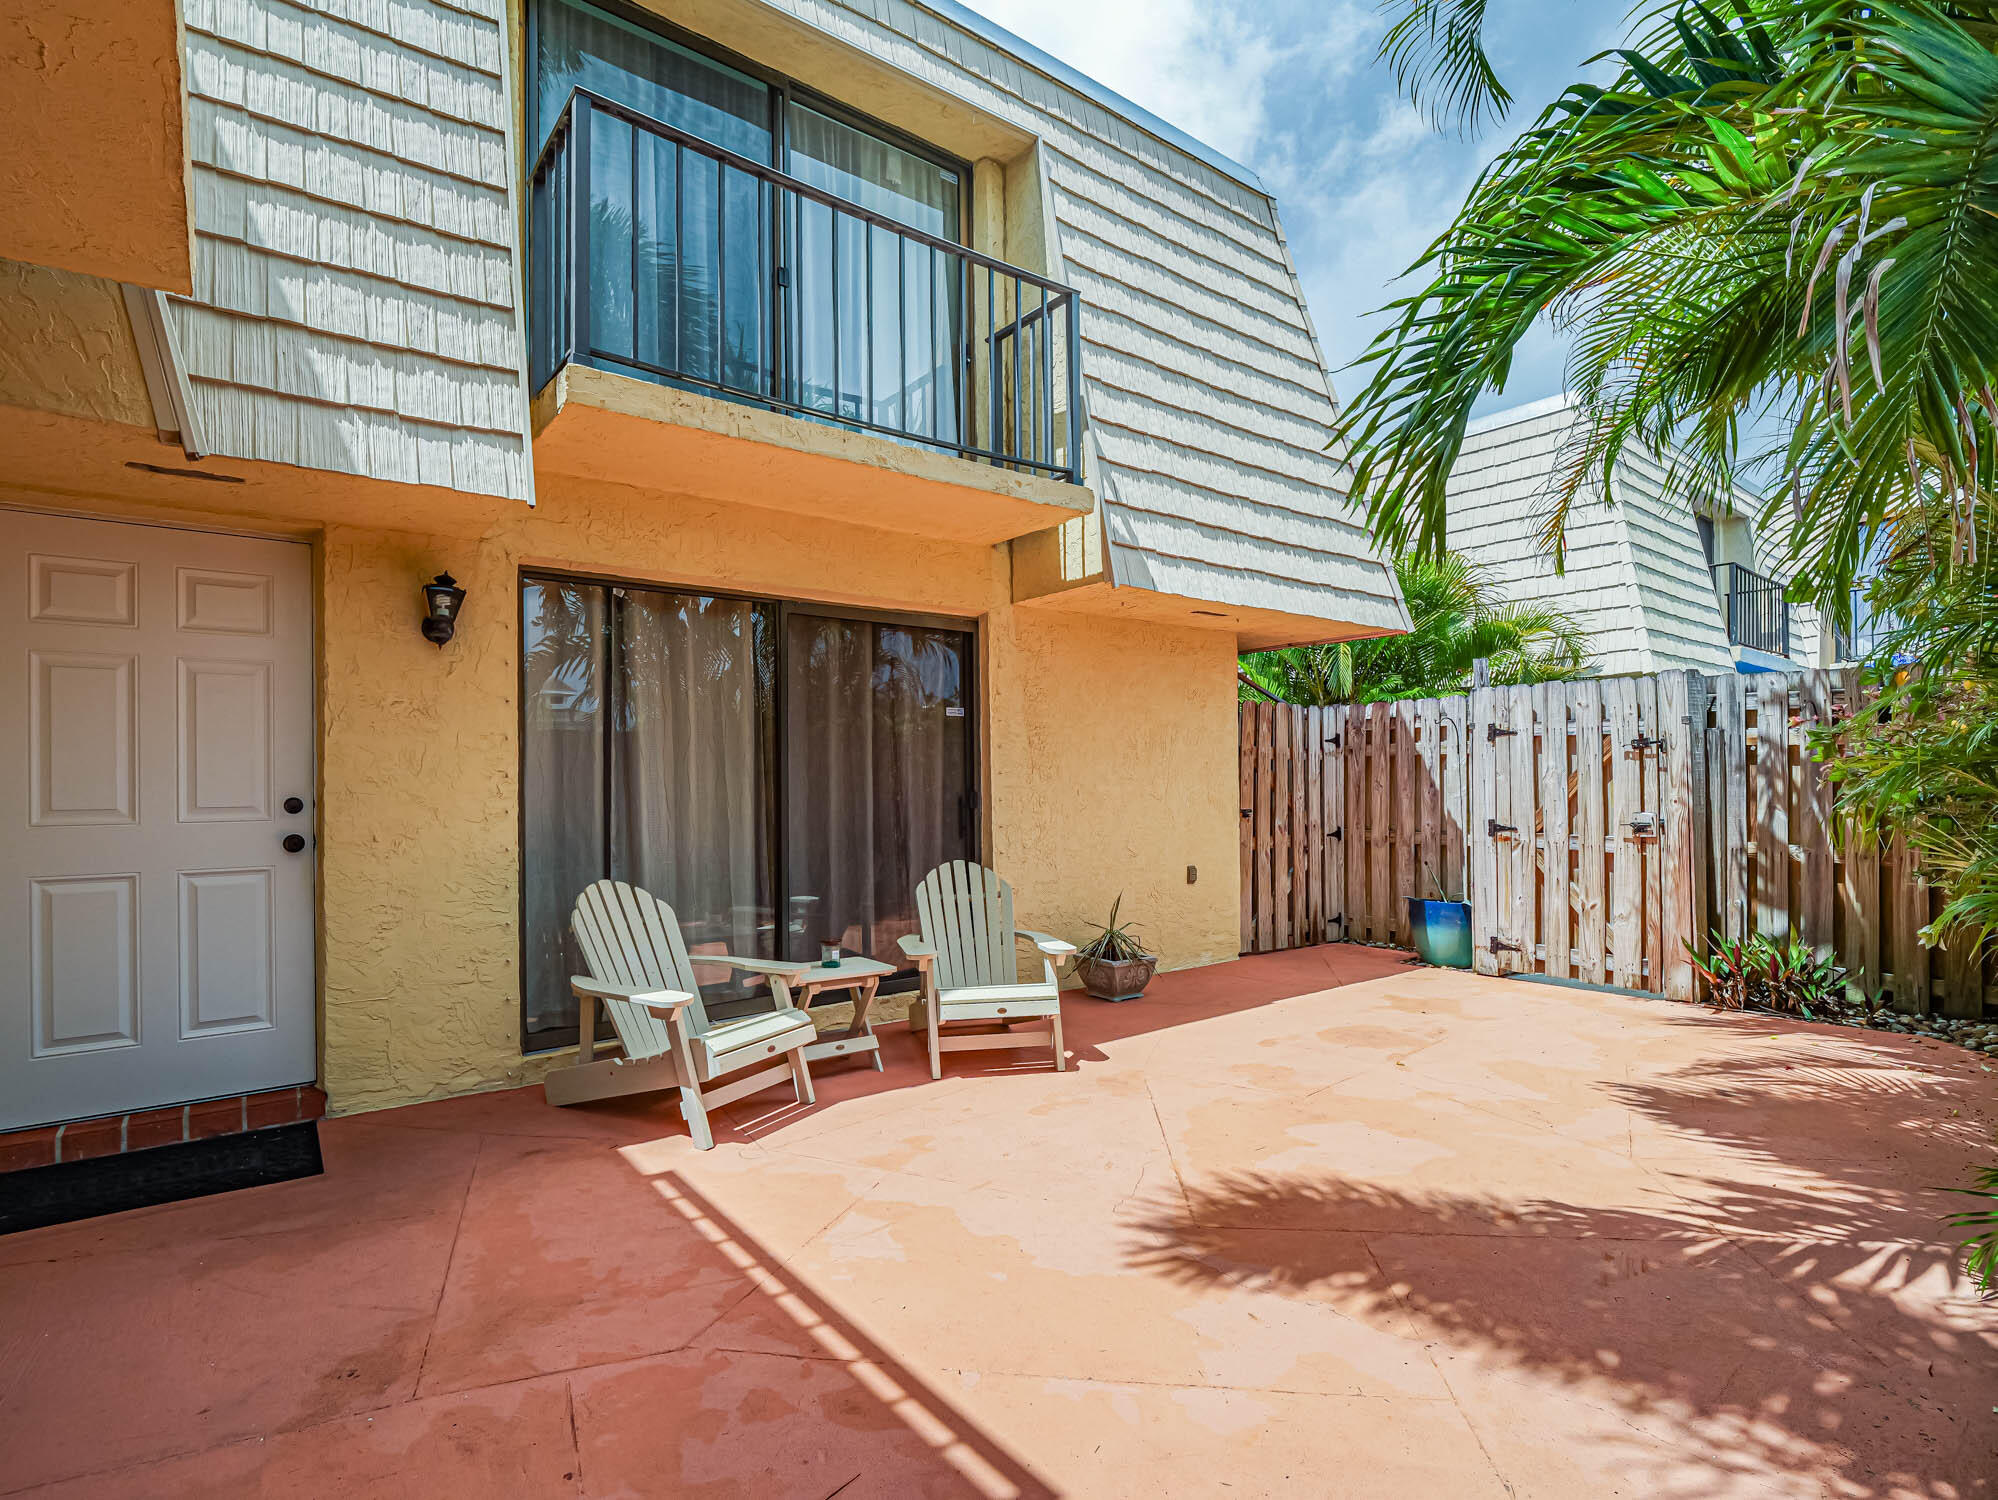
pixel 1435 49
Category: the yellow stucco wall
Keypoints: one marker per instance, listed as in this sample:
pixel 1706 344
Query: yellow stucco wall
pixel 1110 758
pixel 94 177
pixel 66 346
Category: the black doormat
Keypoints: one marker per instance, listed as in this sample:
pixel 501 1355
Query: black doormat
pixel 71 1190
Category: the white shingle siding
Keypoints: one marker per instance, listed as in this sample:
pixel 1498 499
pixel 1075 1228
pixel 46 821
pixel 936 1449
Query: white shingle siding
pixel 1206 394
pixel 1499 492
pixel 1636 578
pixel 354 301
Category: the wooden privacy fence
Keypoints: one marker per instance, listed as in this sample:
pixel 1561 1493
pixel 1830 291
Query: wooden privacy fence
pixel 1595 827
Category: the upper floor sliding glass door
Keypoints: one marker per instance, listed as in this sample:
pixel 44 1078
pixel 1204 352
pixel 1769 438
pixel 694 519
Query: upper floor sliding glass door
pixel 700 270
pixel 879 321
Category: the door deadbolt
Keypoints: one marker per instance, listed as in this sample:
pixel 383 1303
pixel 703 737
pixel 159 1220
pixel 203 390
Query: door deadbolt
pixel 293 843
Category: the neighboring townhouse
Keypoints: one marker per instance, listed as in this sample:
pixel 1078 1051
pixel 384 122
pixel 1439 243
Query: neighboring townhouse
pixel 860 440
pixel 1656 585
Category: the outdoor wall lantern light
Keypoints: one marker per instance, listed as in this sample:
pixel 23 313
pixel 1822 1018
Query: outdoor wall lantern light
pixel 441 598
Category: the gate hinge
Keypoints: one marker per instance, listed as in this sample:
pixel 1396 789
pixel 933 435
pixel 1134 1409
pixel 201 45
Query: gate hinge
pixel 1338 833
pixel 1333 741
pixel 1492 733
pixel 1500 945
pixel 1493 828
pixel 1248 812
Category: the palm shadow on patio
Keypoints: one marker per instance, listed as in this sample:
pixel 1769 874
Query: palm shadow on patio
pixel 1778 1308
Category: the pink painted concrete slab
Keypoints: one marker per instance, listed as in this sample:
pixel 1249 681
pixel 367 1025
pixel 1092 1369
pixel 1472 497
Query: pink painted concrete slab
pixel 1317 1223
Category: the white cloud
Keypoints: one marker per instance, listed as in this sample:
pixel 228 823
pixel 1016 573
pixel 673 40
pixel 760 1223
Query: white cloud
pixel 1291 88
pixel 1207 68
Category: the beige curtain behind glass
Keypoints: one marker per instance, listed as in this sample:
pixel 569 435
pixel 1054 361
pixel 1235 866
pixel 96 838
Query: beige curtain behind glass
pixel 829 744
pixel 688 765
pixel 920 734
pixel 562 784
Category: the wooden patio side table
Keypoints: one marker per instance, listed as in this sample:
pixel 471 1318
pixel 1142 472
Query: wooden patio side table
pixel 861 975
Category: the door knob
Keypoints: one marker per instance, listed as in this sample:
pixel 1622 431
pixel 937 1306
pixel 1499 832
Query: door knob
pixel 294 804
pixel 293 842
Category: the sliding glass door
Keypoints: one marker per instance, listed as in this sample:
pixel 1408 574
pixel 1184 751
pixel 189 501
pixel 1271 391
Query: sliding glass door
pixel 879 331
pixel 646 755
pixel 777 774
pixel 879 755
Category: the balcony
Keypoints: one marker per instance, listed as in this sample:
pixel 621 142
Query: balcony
pixel 699 314
pixel 1758 616
pixel 1861 639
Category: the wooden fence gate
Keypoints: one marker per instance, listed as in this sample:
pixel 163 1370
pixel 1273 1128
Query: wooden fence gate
pixel 1595 827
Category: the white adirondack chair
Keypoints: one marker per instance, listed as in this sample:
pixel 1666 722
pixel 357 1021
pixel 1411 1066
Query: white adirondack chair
pixel 640 970
pixel 969 974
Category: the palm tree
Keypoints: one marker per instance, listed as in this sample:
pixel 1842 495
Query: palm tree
pixel 1787 213
pixel 1455 618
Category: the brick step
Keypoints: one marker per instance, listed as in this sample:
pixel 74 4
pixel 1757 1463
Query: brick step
pixel 110 1135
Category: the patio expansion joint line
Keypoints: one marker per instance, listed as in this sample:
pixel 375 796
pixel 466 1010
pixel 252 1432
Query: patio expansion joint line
pixel 1741 1247
pixel 826 1228
pixel 450 1262
pixel 1186 1203
pixel 1428 1347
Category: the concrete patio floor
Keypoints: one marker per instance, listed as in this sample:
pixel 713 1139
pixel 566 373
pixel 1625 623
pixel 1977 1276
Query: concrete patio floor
pixel 1310 1224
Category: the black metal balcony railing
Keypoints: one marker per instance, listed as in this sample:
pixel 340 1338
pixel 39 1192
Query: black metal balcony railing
pixel 1859 640
pixel 1758 616
pixel 659 254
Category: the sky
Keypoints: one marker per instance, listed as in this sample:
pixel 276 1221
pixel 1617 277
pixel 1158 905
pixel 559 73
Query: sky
pixel 1290 88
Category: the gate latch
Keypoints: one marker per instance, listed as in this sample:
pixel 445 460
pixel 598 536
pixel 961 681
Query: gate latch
pixel 1644 825
pixel 1645 742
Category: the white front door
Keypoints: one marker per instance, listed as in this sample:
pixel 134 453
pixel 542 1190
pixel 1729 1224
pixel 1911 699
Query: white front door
pixel 156 787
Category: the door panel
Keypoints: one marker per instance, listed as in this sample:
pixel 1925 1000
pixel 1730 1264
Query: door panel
pixel 225 951
pixel 81 715
pixel 155 935
pixel 82 590
pixel 225 741
pixel 84 963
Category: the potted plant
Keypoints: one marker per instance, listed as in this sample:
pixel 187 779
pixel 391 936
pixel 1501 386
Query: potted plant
pixel 1113 965
pixel 1441 929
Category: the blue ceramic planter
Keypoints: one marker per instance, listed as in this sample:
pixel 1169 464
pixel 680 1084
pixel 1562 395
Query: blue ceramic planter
pixel 1442 931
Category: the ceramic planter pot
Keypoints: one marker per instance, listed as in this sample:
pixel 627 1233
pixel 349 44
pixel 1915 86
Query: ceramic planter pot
pixel 1442 932
pixel 1116 979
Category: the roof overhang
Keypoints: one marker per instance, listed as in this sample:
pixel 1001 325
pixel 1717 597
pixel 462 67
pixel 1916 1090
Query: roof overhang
pixel 1253 629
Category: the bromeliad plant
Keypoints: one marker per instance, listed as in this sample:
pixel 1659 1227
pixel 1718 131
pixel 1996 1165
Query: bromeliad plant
pixel 1758 974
